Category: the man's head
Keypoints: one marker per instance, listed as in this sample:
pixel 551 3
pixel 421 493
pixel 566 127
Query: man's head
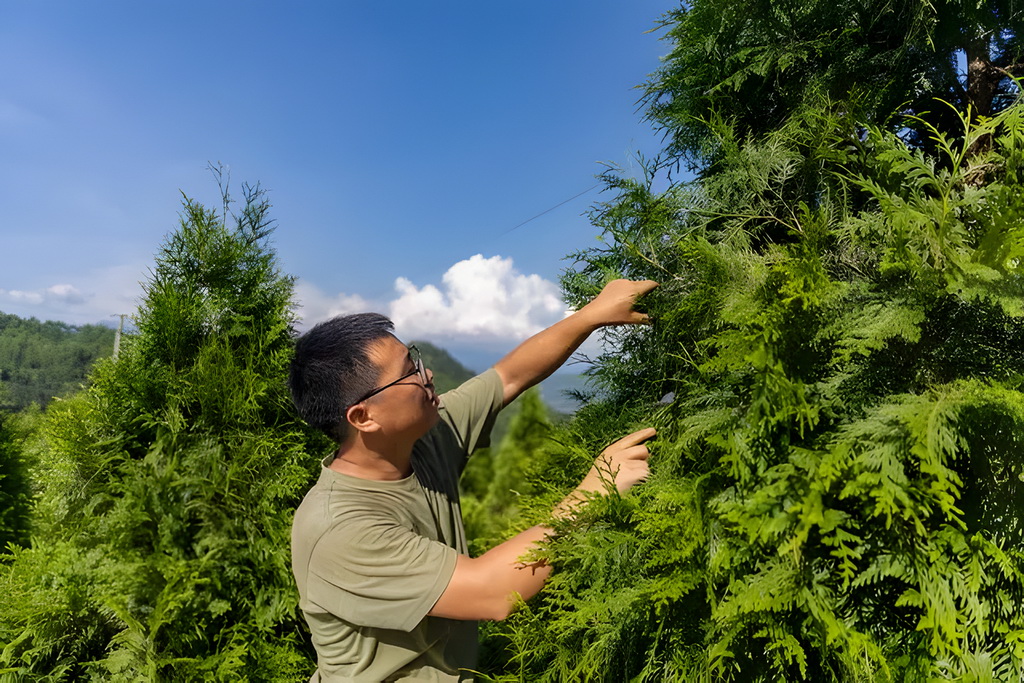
pixel 339 372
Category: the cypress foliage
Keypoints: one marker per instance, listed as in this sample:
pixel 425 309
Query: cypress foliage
pixel 835 368
pixel 160 547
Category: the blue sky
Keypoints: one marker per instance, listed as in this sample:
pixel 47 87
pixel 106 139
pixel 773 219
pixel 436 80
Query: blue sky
pixel 400 143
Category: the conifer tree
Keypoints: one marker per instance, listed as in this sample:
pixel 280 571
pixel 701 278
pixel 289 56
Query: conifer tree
pixel 160 544
pixel 835 364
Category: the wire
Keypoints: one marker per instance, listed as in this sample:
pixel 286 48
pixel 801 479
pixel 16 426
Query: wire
pixel 550 210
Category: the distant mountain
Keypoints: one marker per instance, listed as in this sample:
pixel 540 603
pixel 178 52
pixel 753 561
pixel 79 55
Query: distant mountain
pixel 448 372
pixel 556 391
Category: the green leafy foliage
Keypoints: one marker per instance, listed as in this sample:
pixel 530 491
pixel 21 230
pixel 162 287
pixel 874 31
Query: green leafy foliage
pixel 756 64
pixel 835 371
pixel 160 542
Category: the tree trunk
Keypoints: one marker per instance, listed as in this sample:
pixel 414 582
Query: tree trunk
pixel 982 80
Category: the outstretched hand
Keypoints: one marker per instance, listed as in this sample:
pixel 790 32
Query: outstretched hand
pixel 614 305
pixel 623 462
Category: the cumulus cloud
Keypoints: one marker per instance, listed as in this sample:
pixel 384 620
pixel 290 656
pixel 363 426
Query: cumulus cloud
pixel 479 299
pixel 314 305
pixel 479 303
pixel 482 305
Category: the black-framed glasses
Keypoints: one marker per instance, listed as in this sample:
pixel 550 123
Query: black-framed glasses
pixel 417 361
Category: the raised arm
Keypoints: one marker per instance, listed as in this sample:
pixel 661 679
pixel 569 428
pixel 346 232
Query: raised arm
pixel 543 353
pixel 486 587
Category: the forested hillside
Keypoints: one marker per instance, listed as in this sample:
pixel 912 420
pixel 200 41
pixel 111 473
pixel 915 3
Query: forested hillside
pixel 448 372
pixel 40 360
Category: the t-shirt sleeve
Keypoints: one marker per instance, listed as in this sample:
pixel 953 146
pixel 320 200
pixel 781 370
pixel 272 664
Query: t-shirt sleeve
pixel 471 408
pixel 377 573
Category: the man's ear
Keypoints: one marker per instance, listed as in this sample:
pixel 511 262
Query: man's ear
pixel 359 417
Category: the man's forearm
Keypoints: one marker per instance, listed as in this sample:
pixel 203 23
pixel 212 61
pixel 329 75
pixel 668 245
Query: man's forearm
pixel 543 353
pixel 487 587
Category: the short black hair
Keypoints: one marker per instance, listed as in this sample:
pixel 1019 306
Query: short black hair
pixel 331 369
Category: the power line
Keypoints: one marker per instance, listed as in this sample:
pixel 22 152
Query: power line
pixel 550 210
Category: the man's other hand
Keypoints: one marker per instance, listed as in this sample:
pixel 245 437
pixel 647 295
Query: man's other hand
pixel 623 463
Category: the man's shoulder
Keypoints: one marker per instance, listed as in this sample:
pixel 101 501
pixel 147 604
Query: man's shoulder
pixel 334 501
pixel 486 384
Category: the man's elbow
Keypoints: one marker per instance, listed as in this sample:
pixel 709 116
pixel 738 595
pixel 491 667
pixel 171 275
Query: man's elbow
pixel 499 608
pixel 511 384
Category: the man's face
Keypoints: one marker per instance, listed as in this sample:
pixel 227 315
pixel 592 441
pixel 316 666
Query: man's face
pixel 408 406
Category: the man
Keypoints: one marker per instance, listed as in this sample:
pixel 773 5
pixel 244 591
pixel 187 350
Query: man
pixel 378 548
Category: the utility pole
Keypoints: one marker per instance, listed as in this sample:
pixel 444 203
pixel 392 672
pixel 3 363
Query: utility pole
pixel 117 335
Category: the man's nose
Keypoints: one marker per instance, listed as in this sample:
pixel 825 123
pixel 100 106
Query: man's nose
pixel 430 376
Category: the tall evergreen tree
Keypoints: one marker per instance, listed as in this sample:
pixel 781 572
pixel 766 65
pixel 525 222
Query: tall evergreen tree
pixel 160 545
pixel 835 365
pixel 755 65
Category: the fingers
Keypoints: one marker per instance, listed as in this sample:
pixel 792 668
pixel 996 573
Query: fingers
pixel 627 458
pixel 630 289
pixel 630 472
pixel 624 462
pixel 639 436
pixel 633 453
pixel 638 287
pixel 618 298
pixel 638 318
pixel 644 286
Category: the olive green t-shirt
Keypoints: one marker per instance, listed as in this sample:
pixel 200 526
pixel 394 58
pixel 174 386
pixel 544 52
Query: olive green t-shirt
pixel 372 557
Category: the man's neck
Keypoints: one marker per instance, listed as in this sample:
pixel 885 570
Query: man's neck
pixel 357 458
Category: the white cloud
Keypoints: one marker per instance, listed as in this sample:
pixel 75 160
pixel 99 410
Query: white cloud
pixel 94 298
pixel 481 303
pixel 481 307
pixel 479 299
pixel 66 294
pixel 58 295
pixel 314 305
